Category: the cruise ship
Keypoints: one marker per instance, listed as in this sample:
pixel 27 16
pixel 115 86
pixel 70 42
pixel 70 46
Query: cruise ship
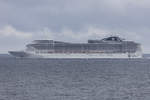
pixel 110 47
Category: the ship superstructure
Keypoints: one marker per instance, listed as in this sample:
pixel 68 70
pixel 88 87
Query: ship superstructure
pixel 110 47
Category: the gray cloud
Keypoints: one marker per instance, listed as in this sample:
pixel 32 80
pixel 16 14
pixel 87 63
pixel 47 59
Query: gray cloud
pixel 82 18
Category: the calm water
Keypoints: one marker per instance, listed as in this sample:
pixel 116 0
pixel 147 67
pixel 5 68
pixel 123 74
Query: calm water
pixel 49 79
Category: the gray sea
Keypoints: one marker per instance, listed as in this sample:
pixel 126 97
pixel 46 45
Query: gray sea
pixel 74 79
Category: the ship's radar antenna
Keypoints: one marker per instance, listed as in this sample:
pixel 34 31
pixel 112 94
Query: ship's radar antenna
pixel 117 35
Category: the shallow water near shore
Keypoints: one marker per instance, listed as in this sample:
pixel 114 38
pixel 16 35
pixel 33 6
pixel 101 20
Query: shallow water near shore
pixel 74 79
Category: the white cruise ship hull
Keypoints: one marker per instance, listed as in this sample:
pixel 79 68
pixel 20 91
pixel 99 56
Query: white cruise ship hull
pixel 75 55
pixel 84 56
pixel 111 47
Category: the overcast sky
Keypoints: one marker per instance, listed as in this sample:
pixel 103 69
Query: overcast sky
pixel 22 21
